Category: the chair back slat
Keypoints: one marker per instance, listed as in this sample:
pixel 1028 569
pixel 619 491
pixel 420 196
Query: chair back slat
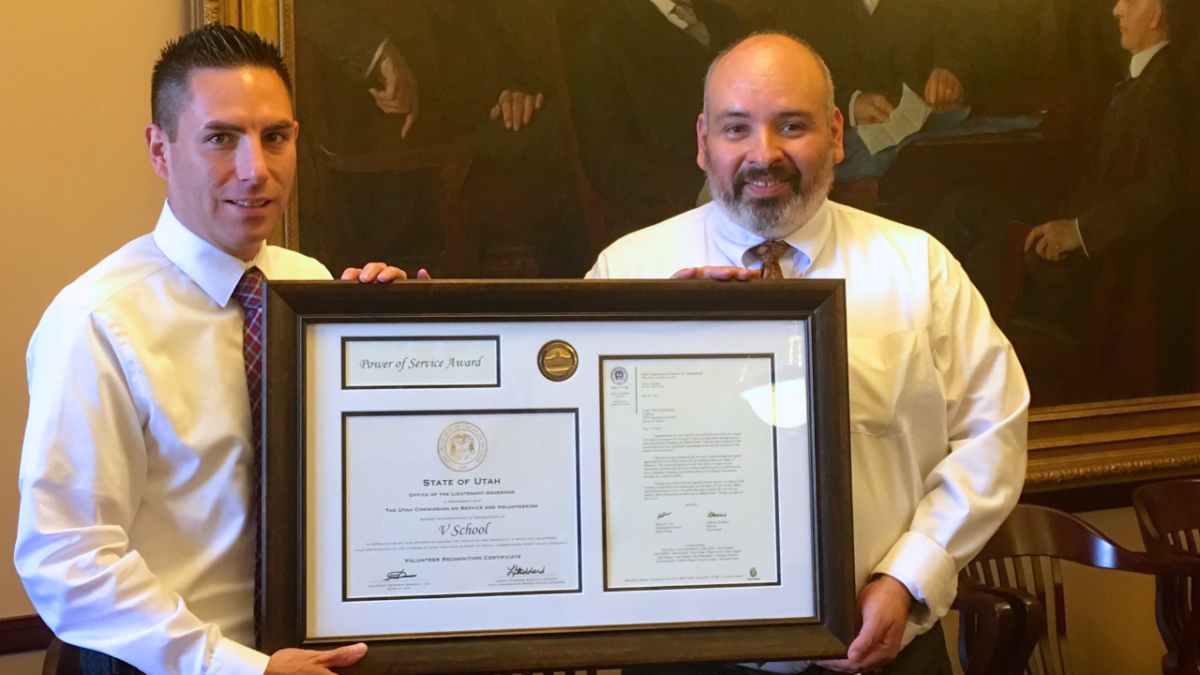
pixel 1168 516
pixel 1027 553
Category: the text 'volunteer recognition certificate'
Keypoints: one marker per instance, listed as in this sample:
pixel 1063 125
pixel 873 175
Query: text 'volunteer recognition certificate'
pixel 458 503
pixel 690 489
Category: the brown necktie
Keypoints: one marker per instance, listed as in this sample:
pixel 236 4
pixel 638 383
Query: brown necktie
pixel 769 252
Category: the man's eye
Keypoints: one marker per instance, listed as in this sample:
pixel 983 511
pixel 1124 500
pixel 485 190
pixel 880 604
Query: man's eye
pixel 218 139
pixel 735 129
pixel 277 137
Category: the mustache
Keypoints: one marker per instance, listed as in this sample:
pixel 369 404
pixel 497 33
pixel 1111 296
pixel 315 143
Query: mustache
pixel 780 171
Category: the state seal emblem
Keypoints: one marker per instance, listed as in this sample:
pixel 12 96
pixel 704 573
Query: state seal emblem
pixel 557 360
pixel 619 376
pixel 462 446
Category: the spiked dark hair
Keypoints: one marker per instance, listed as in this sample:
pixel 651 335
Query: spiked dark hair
pixel 213 46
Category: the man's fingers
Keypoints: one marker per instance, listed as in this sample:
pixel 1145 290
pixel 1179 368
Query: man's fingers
pixel 344 656
pixel 1043 247
pixel 351 273
pixel 505 103
pixel 719 273
pixel 541 98
pixel 495 114
pixel 518 111
pixel 408 123
pixel 1034 235
pixel 390 274
pixel 422 274
pixel 530 107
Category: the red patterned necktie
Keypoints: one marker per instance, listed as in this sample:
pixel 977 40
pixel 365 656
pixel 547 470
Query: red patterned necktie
pixel 769 252
pixel 249 294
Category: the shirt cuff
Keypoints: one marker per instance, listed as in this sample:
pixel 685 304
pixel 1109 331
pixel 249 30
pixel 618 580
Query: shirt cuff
pixel 375 60
pixel 1082 244
pixel 231 658
pixel 928 572
pixel 850 108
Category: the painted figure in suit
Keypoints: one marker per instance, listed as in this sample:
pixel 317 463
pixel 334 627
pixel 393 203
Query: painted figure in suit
pixel 637 85
pixel 873 47
pixel 407 74
pixel 1134 172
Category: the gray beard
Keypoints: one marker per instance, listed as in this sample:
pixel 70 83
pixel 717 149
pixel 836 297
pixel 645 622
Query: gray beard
pixel 777 220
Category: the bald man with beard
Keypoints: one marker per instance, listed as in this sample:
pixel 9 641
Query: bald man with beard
pixel 938 401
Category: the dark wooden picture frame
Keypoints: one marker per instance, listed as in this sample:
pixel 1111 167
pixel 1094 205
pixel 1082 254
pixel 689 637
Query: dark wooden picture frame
pixel 281 607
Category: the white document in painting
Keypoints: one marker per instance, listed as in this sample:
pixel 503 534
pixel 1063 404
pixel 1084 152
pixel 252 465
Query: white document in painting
pixel 906 120
pixel 460 503
pixel 689 472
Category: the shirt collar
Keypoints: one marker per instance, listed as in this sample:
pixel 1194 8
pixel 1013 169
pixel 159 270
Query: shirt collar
pixel 216 272
pixel 735 242
pixel 1142 59
pixel 664 6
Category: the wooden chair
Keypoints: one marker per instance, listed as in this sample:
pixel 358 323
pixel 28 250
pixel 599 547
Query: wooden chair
pixel 1169 518
pixel 61 659
pixel 1026 554
pixel 994 628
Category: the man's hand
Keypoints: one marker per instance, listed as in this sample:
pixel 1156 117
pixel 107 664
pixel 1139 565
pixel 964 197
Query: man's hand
pixel 1054 240
pixel 308 662
pixel 872 109
pixel 380 273
pixel 516 108
pixel 884 605
pixel 400 94
pixel 943 90
pixel 722 273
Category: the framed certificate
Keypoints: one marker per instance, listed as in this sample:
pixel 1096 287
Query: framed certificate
pixel 517 476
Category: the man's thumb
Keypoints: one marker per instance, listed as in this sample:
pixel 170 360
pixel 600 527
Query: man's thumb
pixel 345 656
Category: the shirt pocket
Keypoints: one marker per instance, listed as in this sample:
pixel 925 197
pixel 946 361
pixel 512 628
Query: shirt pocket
pixel 891 379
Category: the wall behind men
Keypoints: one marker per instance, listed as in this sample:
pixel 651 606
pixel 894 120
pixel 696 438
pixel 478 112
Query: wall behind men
pixel 74 183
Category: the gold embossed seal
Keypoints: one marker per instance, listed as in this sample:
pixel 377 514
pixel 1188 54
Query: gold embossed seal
pixel 557 360
pixel 462 446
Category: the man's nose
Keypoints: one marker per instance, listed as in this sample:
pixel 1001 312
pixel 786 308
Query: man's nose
pixel 764 148
pixel 251 161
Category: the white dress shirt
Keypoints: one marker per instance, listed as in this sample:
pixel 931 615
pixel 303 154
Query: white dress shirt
pixel 938 401
pixel 132 537
pixel 1139 61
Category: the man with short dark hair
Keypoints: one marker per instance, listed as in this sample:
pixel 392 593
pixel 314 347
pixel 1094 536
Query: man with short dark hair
pixel 136 532
pixel 938 401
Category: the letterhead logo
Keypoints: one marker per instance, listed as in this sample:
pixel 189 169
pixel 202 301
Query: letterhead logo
pixel 462 446
pixel 619 376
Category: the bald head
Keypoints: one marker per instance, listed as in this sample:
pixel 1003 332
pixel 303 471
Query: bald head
pixel 771 56
pixel 770 134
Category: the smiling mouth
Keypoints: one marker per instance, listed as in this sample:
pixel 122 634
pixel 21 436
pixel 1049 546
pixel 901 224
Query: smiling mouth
pixel 250 203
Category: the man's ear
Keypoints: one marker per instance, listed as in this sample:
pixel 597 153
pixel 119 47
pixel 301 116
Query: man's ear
pixel 701 141
pixel 838 128
pixel 1159 16
pixel 158 146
